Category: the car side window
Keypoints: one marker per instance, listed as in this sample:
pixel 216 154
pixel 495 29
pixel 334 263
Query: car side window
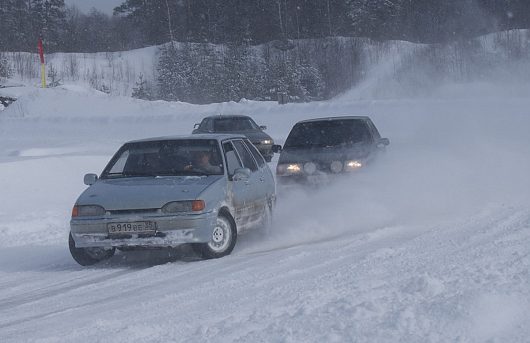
pixel 246 157
pixel 255 153
pixel 232 161
pixel 119 166
pixel 206 125
pixel 375 132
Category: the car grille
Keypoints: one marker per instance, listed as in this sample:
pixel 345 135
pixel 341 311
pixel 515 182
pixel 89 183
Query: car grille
pixel 136 211
pixel 323 166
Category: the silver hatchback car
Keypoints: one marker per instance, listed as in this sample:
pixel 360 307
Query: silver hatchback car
pixel 163 192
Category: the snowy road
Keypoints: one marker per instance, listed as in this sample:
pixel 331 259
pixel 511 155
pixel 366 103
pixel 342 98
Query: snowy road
pixel 431 244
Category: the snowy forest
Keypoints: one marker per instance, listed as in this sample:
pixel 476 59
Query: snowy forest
pixel 213 50
pixel 137 23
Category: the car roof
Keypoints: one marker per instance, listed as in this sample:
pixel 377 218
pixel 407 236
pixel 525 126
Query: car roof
pixel 365 118
pixel 216 136
pixel 229 116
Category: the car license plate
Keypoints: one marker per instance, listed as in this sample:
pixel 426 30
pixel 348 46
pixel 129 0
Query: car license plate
pixel 132 227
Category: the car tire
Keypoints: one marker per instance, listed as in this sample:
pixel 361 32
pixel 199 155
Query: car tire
pixel 223 240
pixel 88 256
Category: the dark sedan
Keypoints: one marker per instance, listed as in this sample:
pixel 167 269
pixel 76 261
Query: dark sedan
pixel 239 124
pixel 317 149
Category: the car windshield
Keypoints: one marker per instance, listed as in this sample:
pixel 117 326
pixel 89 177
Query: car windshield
pixel 234 125
pixel 166 158
pixel 329 133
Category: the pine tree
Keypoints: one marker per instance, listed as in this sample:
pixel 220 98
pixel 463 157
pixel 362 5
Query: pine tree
pixel 141 90
pixel 45 19
pixel 53 77
pixel 174 73
pixel 5 70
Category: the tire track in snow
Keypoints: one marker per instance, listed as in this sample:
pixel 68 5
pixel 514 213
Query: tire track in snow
pixel 53 290
pixel 102 280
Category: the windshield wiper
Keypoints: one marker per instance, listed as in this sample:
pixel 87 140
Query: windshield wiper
pixel 196 172
pixel 136 174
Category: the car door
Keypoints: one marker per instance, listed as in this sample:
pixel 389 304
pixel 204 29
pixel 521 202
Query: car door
pixel 238 190
pixel 267 186
pixel 256 196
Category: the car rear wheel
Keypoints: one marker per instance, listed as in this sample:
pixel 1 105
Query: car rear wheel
pixel 88 256
pixel 222 241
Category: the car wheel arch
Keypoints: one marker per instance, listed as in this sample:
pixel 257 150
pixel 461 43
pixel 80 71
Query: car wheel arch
pixel 224 210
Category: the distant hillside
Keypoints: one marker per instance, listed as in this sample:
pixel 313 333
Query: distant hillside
pixel 371 68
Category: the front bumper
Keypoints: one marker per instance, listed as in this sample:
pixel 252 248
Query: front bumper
pixel 314 180
pixel 171 230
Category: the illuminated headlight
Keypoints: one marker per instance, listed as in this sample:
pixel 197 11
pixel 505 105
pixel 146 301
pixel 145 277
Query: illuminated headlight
pixel 288 169
pixel 266 141
pixel 352 165
pixel 183 206
pixel 336 166
pixel 87 211
pixel 310 168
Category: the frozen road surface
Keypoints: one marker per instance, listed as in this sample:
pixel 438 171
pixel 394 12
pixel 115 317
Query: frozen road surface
pixel 432 243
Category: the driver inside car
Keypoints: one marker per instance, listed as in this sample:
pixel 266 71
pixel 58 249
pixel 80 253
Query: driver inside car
pixel 201 162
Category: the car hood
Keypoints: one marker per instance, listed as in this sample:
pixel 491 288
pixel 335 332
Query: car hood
pixel 145 193
pixel 323 154
pixel 256 136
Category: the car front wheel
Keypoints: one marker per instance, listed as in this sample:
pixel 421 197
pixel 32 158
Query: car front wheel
pixel 88 256
pixel 222 241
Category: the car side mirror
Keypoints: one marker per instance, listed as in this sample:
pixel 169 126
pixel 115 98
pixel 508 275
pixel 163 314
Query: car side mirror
pixel 241 174
pixel 383 142
pixel 90 179
pixel 263 127
pixel 276 148
pixel 196 125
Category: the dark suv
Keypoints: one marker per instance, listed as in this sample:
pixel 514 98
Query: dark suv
pixel 318 148
pixel 239 124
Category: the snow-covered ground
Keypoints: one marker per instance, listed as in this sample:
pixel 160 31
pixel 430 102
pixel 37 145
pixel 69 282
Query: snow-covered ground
pixel 430 244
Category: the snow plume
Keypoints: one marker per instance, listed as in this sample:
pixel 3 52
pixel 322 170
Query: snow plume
pixel 447 159
pixel 401 69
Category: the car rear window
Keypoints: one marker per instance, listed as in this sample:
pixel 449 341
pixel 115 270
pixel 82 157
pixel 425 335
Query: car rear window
pixel 328 133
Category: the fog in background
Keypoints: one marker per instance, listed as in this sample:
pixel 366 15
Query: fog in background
pixel 105 6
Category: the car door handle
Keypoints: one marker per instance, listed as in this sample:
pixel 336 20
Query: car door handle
pixel 247 183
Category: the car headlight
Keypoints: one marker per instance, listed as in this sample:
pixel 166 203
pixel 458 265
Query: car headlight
pixel 266 141
pixel 87 211
pixel 352 165
pixel 288 169
pixel 184 206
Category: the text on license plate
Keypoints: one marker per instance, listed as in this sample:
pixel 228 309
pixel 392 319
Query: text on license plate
pixel 133 227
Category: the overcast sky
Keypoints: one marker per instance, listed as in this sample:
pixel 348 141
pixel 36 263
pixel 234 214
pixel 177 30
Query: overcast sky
pixel 105 6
